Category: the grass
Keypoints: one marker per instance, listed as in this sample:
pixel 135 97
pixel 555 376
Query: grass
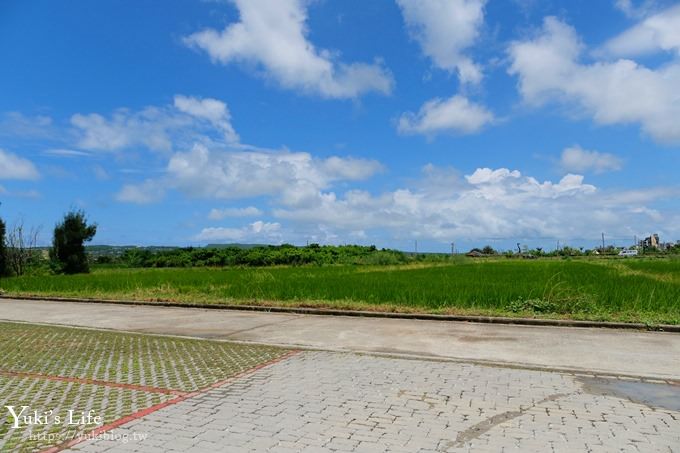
pixel 156 361
pixel 35 360
pixel 623 290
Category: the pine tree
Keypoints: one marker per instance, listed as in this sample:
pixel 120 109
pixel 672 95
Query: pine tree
pixel 68 252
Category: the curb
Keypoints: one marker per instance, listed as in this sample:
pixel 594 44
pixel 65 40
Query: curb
pixel 372 314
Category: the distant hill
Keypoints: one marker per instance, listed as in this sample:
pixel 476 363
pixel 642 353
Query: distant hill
pixel 234 245
pixel 117 250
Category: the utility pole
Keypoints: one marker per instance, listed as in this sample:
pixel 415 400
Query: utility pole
pixel 453 249
pixel 558 245
pixel 416 246
pixel 603 242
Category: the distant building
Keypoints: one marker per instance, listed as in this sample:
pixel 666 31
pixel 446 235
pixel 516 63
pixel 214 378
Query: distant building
pixel 651 242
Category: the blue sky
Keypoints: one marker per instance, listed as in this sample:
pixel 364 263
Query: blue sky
pixel 384 122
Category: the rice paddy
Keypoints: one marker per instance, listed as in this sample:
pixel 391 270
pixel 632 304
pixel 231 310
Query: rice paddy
pixel 619 289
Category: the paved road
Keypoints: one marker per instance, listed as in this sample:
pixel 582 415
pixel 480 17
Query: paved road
pixel 328 401
pixel 324 402
pixel 616 352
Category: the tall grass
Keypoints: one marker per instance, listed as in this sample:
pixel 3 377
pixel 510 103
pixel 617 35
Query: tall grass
pixel 578 289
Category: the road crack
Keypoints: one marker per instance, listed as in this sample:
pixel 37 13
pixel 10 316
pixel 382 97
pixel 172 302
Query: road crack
pixel 475 431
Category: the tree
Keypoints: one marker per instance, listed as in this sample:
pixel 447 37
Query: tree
pixel 488 250
pixel 21 248
pixel 68 252
pixel 3 249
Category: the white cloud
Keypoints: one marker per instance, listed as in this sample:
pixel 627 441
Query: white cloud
pixel 123 130
pixel 488 203
pixel 488 176
pixel 19 125
pixel 272 36
pixel 577 159
pixel 230 175
pixel 16 167
pixel 638 9
pixel 659 32
pixel 294 177
pixel 100 173
pixel 619 92
pixel 31 193
pixel 156 128
pixel 442 205
pixel 255 231
pixel 216 112
pixel 456 114
pixel 219 214
pixel 445 29
pixel 62 152
pixel 149 191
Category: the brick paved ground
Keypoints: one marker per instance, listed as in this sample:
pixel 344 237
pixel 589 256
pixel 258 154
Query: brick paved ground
pixel 53 370
pixel 320 401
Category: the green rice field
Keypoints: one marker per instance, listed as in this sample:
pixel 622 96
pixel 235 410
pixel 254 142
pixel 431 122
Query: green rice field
pixel 632 290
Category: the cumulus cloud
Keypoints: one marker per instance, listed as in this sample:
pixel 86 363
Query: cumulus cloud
pixel 229 175
pixel 149 191
pixel 456 114
pixel 272 36
pixel 156 128
pixel 659 32
pixel 619 92
pixel 265 231
pixel 638 9
pixel 488 203
pixel 294 177
pixel 219 214
pixel 212 110
pixel 577 159
pixel 441 205
pixel 17 124
pixel 445 29
pixel 16 167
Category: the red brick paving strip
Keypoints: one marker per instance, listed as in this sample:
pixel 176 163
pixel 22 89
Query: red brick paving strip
pixel 144 412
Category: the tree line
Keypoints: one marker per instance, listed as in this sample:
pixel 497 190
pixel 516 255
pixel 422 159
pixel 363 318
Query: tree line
pixel 67 255
pixel 265 255
pixel 567 251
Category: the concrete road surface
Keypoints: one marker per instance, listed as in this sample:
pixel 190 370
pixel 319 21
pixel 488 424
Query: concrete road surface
pixel 603 351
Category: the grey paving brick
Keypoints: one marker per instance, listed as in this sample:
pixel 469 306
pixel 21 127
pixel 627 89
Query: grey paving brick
pixel 321 401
